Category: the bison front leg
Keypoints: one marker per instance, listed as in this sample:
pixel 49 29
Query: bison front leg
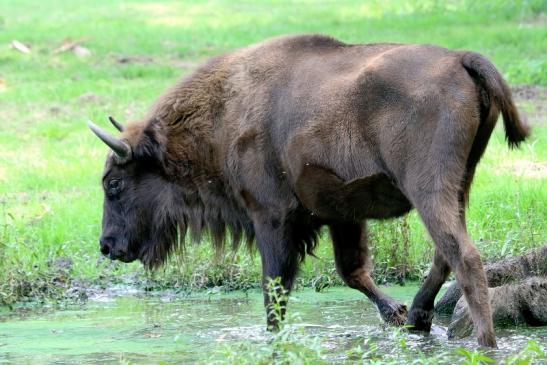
pixel 279 266
pixel 352 262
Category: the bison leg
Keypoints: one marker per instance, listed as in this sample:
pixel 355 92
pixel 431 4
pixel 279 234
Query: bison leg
pixel 352 262
pixel 421 311
pixel 444 223
pixel 279 266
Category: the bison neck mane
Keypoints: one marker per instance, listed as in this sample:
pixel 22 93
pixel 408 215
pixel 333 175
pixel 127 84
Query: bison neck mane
pixel 179 134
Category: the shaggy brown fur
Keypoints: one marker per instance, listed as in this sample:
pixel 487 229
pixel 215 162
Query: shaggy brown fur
pixel 277 139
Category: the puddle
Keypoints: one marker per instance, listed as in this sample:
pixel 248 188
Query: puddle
pixel 185 329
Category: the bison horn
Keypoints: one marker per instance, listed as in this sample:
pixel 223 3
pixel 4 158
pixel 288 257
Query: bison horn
pixel 116 124
pixel 120 148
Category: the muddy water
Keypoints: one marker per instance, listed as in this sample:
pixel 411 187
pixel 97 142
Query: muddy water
pixel 181 329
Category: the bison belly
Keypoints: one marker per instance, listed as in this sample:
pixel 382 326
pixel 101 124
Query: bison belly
pixel 329 197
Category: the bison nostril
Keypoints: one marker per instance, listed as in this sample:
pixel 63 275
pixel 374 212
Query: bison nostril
pixel 106 245
pixel 105 250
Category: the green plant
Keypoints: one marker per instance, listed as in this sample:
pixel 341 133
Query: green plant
pixel 277 301
pixel 474 358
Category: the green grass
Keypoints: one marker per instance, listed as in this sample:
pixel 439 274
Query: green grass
pixel 50 164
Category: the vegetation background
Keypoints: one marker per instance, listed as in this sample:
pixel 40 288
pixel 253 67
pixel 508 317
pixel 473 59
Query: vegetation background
pixel 64 62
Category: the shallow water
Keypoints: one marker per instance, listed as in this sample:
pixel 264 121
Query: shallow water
pixel 177 328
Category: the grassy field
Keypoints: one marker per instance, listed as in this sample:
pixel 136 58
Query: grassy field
pixel 50 164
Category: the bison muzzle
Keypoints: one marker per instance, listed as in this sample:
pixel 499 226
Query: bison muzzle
pixel 270 142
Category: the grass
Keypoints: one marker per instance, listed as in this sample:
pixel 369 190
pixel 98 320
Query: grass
pixel 50 164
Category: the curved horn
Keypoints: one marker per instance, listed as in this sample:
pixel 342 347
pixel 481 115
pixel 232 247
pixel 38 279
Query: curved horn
pixel 119 147
pixel 116 124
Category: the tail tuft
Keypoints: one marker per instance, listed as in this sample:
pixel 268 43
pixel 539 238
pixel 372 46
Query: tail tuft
pixel 516 129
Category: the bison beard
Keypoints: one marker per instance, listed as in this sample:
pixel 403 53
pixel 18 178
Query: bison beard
pixel 273 141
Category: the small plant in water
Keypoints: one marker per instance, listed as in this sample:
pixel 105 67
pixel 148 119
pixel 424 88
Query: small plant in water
pixel 476 357
pixel 289 345
pixel 277 296
pixel 368 351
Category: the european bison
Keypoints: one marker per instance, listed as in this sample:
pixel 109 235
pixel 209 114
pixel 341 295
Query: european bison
pixel 271 142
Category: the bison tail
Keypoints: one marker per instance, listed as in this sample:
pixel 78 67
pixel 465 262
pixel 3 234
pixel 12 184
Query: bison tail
pixel 498 93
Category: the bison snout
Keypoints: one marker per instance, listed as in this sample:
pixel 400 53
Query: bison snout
pixel 114 249
pixel 107 245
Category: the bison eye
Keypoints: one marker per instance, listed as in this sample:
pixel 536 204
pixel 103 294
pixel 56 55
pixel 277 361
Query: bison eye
pixel 114 186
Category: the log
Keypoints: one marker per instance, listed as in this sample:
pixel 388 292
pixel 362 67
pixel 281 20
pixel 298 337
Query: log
pixel 524 303
pixel 509 270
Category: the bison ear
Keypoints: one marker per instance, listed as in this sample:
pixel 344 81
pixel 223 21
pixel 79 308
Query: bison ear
pixel 151 145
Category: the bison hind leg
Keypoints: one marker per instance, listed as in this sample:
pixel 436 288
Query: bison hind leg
pixel 443 220
pixel 420 316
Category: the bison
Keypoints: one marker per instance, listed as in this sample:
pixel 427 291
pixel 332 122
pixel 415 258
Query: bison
pixel 268 143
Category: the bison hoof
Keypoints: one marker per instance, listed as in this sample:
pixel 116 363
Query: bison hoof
pixel 419 320
pixel 393 312
pixel 487 340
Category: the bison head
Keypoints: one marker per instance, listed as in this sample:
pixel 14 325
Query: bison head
pixel 140 220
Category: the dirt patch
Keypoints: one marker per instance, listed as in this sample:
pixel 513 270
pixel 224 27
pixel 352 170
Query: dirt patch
pixel 528 92
pixel 88 98
pixel 528 169
pixel 146 60
pixel 134 59
pixel 532 103
pixel 56 110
